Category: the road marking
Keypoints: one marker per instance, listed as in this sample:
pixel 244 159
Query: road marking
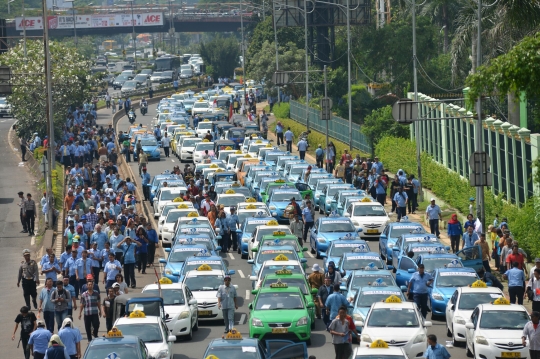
pixel 248 294
pixel 242 319
pixel 241 273
pixel 231 256
pixel 309 254
pixel 172 160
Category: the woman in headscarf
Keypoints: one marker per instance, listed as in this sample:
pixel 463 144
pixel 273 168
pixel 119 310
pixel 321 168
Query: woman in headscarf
pixel 83 237
pixel 333 274
pixel 71 337
pixel 56 349
pixel 455 231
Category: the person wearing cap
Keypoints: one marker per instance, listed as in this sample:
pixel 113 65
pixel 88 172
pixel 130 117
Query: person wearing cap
pixel 91 306
pixel 27 320
pixel 419 287
pixel 316 280
pixel 61 298
pixel 46 305
pixel 226 296
pixel 71 337
pixel 29 275
pixel 39 340
pixel 433 213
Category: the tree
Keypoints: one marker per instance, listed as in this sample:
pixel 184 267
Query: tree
pixel 222 53
pixel 71 82
pixel 380 123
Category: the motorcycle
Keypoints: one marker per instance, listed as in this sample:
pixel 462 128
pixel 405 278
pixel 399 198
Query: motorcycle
pixel 131 117
pixel 144 109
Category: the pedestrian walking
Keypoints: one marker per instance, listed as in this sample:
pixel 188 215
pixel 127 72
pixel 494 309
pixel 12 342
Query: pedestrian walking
pixel 29 275
pixel 91 306
pixel 531 332
pixel 433 213
pixel 289 138
pixel 341 334
pixel 24 145
pixel 226 295
pixel 455 231
pixel 143 161
pixel 533 289
pixel 72 305
pixel 308 216
pixel 46 305
pixel 108 305
pixel 153 243
pixel 279 134
pixel 27 320
pixel 166 143
pixel 322 295
pixel 128 246
pixel 319 156
pixel 484 246
pixel 71 337
pixel 418 286
pixel 302 146
pixel 22 211
pixel 61 298
pixel 146 183
pixel 335 301
pixel 142 250
pixel 316 281
pixel 30 213
pixel 39 340
pixel 401 199
pixel 516 283
pixel 435 350
pixel 111 269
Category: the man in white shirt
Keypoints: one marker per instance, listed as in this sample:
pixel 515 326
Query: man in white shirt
pixel 433 213
pixel 165 143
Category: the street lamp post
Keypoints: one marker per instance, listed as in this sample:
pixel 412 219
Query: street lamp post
pixel 306 62
pixel 171 28
pixel 243 51
pixel 74 20
pixel 276 43
pixel 133 33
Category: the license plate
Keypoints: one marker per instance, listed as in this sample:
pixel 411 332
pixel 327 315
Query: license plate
pixel 280 330
pixel 372 231
pixel 511 355
pixel 204 312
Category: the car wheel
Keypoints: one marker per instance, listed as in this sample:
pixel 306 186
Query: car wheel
pixel 196 326
pixel 244 256
pixel 321 210
pixel 308 342
pixel 313 325
pixel 469 353
pixel 318 255
pixel 190 335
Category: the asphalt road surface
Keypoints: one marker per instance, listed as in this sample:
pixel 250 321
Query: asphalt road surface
pixel 321 340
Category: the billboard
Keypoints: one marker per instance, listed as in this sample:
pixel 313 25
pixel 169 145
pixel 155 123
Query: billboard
pixel 90 21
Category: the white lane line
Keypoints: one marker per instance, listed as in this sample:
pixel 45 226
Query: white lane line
pixel 248 294
pixel 242 319
pixel 309 254
pixel 172 160
pixel 242 275
pixel 230 256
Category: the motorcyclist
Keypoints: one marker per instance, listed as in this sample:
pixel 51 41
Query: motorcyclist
pixel 144 106
pixel 131 116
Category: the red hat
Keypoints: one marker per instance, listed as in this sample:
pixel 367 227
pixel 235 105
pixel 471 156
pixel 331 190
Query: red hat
pixel 144 168
pixel 89 276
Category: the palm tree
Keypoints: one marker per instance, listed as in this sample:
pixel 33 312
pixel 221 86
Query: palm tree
pixel 440 12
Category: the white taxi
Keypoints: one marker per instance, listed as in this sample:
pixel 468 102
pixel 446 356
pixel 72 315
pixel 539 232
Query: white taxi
pixel 204 283
pixel 200 151
pixel 169 206
pixel 461 305
pixel 186 148
pixel 251 210
pixel 265 230
pixel 180 306
pixel 368 215
pixel 152 331
pixel 398 323
pixel 200 106
pixel 379 349
pixel 165 195
pixel 203 127
pixel 170 222
pixel 229 199
pixel 495 330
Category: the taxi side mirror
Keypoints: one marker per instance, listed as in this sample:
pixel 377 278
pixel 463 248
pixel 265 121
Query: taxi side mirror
pixel 314 291
pixel 359 323
pixel 218 248
pixel 250 306
pixel 231 272
pixel 254 291
pixel 311 305
pixel 192 302
pixel 411 270
pixel 251 261
pixel 469 325
pixel 346 214
pixel 253 277
pixel 323 255
pixel 171 338
pixel 428 324
pixel 359 229
pixel 163 260
pixel 304 249
pixel 168 250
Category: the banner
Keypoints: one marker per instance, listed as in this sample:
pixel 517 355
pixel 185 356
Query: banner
pixel 91 21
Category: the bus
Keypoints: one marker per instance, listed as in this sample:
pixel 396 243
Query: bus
pixel 168 63
pixel 109 44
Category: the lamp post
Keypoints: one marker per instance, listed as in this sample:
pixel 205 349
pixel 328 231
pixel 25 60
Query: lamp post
pixel 171 28
pixel 8 7
pixel 243 52
pixel 276 43
pixel 133 33
pixel 74 19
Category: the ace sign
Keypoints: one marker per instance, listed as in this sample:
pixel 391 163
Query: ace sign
pixel 30 23
pixel 153 19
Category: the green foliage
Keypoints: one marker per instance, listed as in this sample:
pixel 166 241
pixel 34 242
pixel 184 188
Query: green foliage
pixel 282 110
pixel 222 53
pixel 38 153
pixel 71 82
pixel 380 123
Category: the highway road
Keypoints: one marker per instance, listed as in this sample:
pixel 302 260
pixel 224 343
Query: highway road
pixel 321 340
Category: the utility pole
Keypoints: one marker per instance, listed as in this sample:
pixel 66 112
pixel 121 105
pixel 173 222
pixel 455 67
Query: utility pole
pixel 276 43
pixel 307 64
pixel 416 125
pixel 349 98
pixel 479 143
pixel 243 52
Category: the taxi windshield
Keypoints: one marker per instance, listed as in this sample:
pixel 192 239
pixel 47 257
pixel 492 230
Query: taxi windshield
pixel 123 350
pixel 204 283
pixel 279 301
pixel 204 125
pixel 285 196
pixel 251 227
pixel 365 280
pixel 201 146
pixel 173 216
pixel 270 231
pixel 352 263
pixel 397 318
pixel 181 256
pixel 433 263
pixel 455 279
pixel 365 211
pixel 337 226
pixel 397 232
pixel 168 195
pixel 469 301
pixel 148 332
pixel 291 282
pixel 366 299
pixel 339 249
pixel 170 296
pixel 149 142
pixel 165 211
pixel 228 201
pixel 271 269
pixel 282 242
pixel 499 319
pixel 272 156
pixel 234 352
pixel 268 255
pixel 297 170
pixel 199 240
pixel 190 142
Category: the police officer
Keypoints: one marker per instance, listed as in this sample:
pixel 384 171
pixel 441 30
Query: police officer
pixel 30 213
pixel 29 274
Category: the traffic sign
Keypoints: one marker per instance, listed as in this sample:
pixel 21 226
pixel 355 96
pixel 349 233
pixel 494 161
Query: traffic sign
pixel 405 111
pixel 326 108
pixel 280 78
pixel 480 162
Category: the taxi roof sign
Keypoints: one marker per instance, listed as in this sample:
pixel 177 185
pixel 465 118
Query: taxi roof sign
pixel 479 284
pixel 281 257
pixel 268 145
pixel 236 184
pixel 272 223
pixel 379 343
pixel 247 156
pixel 279 284
pixel 165 280
pixel 203 253
pixel 213 165
pixel 365 199
pixel 259 141
pixel 379 283
pixel 228 148
pixel 233 334
pixel 251 200
pixel 392 299
pixel 238 152
pixel 206 140
pixel 502 301
pixel 183 206
pixel 204 267
pixel 114 333
pixel 211 357
pixel 137 314
pixel 347 236
pixel 279 233
pixel 279 181
pixel 178 199
pixel 230 191
pixel 251 206
pixel 454 263
pixel 193 214
pixel 220 170
pixel 362 248
pixel 371 266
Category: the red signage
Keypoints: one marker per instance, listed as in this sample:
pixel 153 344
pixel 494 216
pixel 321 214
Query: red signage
pixel 153 20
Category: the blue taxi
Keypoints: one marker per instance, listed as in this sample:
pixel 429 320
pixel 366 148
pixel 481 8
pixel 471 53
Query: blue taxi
pixel 359 258
pixel 328 229
pixel 124 346
pixel 195 230
pixel 338 247
pixel 406 239
pixel 406 265
pixel 365 277
pixel 279 199
pixel 446 281
pixel 314 171
pixel 205 257
pixel 271 157
pixel 320 185
pixel 327 194
pixel 178 254
pixel 391 234
pixel 246 230
pixel 150 147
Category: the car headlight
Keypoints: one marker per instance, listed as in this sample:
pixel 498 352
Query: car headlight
pixel 481 340
pixel 321 240
pixel 329 201
pixel 272 208
pixel 301 321
pixel 459 320
pixel 420 338
pixel 256 322
pixel 358 316
pixel 437 296
pixel 166 230
pixel 163 354
pixel 246 239
pixel 390 245
pixel 184 315
pixel 356 223
pixel 168 271
pixel 317 196
pixel 365 338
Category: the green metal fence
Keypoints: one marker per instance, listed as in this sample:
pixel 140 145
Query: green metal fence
pixel 338 128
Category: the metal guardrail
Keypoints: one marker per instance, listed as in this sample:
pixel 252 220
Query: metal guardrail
pixel 338 128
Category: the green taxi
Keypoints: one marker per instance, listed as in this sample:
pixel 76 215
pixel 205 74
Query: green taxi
pixel 292 280
pixel 280 312
pixel 270 186
pixel 278 239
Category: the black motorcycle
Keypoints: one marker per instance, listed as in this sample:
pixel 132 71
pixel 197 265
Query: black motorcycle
pixel 131 117
pixel 144 109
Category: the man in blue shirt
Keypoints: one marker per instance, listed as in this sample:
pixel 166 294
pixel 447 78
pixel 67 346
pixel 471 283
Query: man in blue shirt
pixel 70 270
pixel 128 246
pixel 302 148
pixel 334 301
pixel 46 305
pixel 401 203
pixel 416 186
pixel 39 340
pixel 420 281
pixel 153 242
pixel 308 216
pixel 99 237
pixel 111 269
pixel 435 350
pixel 516 283
pixel 231 224
pixel 433 213
pixel 377 165
pixel 71 338
pixel 319 156
pixel 84 267
pixel 289 136
pixel 73 303
pixel 469 237
pixel 146 183
pixel 380 190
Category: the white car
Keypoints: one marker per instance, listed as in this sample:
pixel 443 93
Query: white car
pixel 164 195
pixel 203 127
pixel 495 330
pixel 229 200
pixel 180 306
pixel 186 148
pixel 200 107
pixel 152 331
pixel 199 151
pixel 368 215
pixel 164 211
pixel 399 324
pixel 5 107
pixel 170 222
pixel 265 230
pixel 461 305
pixel 204 284
pixel 379 349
